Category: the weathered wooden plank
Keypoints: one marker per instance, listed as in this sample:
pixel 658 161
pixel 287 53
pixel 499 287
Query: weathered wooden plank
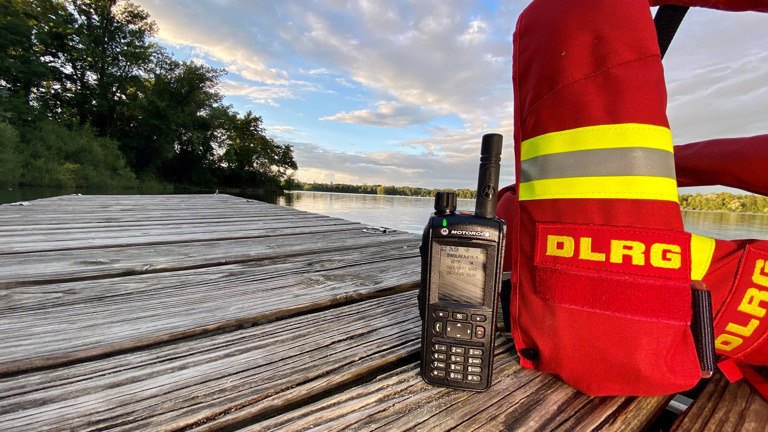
pixel 123 313
pixel 129 208
pixel 133 207
pixel 43 297
pixel 189 382
pixel 49 267
pixel 118 237
pixel 725 406
pixel 180 221
pixel 520 399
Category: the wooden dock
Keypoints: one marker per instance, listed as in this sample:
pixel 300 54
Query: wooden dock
pixel 212 312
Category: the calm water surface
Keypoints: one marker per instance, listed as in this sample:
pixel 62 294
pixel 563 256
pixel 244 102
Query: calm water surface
pixel 411 213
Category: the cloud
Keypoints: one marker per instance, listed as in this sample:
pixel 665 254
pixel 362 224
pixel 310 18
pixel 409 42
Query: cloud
pixel 285 130
pixel 257 94
pixel 386 114
pixel 426 169
pixel 412 63
pixel 717 76
pixel 265 94
pixel 432 53
pixel 475 33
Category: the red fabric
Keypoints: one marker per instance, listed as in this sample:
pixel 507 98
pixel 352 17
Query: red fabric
pixel 741 322
pixel 758 382
pixel 592 249
pixel 730 369
pixel 630 272
pixel 506 209
pixel 586 63
pixel 735 371
pixel 576 64
pixel 712 162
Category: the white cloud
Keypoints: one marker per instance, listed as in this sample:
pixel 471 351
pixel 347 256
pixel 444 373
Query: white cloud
pixel 475 33
pixel 285 130
pixel 432 58
pixel 345 83
pixel 257 94
pixel 386 114
pixel 717 76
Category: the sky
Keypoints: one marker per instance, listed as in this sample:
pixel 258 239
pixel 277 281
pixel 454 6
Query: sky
pixel 400 92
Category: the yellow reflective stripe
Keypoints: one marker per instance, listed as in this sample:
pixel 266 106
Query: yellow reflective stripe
pixel 598 137
pixel 632 187
pixel 702 249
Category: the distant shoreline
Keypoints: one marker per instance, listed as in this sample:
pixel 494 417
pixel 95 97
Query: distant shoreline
pixel 722 202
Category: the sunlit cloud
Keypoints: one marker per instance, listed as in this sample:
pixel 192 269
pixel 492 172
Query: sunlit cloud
pixel 429 78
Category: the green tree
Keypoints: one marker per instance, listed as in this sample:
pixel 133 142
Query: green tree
pixel 105 55
pixel 57 156
pixel 10 160
pixel 25 63
pixel 251 156
pixel 174 121
pixel 91 65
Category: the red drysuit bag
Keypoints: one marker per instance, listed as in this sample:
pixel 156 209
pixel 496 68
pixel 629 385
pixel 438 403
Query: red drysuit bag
pixel 600 264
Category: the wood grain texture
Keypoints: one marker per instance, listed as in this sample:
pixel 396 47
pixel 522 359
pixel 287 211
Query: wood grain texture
pixel 52 324
pixel 725 406
pixel 57 266
pixel 210 312
pixel 519 399
pixel 189 382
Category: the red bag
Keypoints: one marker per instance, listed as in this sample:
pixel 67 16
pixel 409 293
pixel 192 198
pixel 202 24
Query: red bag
pixel 601 267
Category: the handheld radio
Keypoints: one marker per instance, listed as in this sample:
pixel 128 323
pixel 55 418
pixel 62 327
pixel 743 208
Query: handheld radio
pixel 461 268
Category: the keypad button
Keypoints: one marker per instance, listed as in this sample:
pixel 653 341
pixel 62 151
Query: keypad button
pixel 438 373
pixel 473 361
pixel 456 367
pixel 457 350
pixel 439 347
pixel 478 318
pixel 438 364
pixel 459 316
pixel 479 332
pixel 455 376
pixel 441 314
pixel 473 378
pixel 474 369
pixel 439 356
pixel 475 352
pixel 458 330
pixel 457 359
pixel 438 328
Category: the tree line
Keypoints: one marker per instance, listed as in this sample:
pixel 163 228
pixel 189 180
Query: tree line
pixel 88 99
pixel 377 189
pixel 713 201
pixel 725 202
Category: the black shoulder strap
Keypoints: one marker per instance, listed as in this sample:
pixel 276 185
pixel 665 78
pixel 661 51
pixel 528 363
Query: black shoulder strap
pixel 667 21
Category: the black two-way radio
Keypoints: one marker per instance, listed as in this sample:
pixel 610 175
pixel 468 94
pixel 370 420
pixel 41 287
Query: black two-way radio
pixel 461 268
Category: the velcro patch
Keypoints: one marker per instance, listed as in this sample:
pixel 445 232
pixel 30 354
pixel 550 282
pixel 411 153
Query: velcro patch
pixel 656 254
pixel 632 272
pixel 742 322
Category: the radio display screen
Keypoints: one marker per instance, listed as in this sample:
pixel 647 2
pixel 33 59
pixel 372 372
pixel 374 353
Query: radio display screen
pixel 462 275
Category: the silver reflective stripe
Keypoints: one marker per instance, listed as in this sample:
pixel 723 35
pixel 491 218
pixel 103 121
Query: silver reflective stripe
pixel 628 161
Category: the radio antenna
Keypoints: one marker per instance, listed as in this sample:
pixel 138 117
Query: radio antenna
pixel 488 177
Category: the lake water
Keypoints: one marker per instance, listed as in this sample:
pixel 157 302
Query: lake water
pixel 411 213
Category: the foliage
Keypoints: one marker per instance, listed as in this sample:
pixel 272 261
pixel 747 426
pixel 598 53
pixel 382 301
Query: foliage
pixel 59 157
pixel 725 202
pixel 712 202
pixel 10 161
pixel 91 67
pixel 380 190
